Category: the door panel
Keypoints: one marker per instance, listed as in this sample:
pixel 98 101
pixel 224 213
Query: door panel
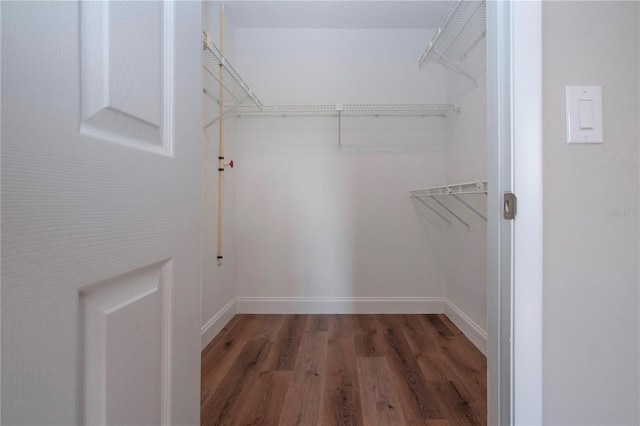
pixel 126 58
pixel 100 212
pixel 125 343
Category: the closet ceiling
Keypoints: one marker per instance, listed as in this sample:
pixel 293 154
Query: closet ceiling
pixel 337 14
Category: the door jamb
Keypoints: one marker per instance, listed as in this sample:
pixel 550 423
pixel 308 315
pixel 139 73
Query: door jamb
pixel 514 248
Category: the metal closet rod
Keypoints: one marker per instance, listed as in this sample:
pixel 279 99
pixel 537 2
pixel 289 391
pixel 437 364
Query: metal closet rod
pixel 455 191
pixel 347 110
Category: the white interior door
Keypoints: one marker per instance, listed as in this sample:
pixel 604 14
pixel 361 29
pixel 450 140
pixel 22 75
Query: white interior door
pixel 101 128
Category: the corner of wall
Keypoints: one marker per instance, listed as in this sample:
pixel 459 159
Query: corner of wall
pixel 466 161
pixel 216 323
pixel 218 289
pixel 476 334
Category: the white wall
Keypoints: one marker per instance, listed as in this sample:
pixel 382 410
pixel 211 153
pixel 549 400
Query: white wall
pixel 218 282
pixel 591 311
pixel 317 222
pixel 465 265
pixel 329 66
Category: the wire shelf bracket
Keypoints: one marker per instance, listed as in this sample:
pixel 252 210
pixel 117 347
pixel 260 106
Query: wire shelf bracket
pixel 234 87
pixel 461 29
pixel 457 192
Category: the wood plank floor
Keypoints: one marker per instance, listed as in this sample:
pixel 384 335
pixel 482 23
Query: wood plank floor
pixel 342 370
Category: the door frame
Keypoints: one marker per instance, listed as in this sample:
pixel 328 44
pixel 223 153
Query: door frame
pixel 514 248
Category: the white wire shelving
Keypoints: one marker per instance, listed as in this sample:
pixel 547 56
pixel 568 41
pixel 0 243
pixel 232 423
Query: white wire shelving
pixel 457 192
pixel 461 29
pixel 346 110
pixel 234 90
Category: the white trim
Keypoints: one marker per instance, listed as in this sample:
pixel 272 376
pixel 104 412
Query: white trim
pixel 217 323
pixel 345 305
pixel 499 231
pixel 341 305
pixel 527 231
pixel 467 326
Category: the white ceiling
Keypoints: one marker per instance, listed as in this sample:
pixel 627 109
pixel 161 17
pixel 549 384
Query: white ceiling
pixel 336 14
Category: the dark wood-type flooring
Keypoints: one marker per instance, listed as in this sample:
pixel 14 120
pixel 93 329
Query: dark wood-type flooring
pixel 342 370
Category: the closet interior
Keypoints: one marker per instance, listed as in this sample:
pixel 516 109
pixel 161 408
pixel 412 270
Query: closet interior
pixel 344 160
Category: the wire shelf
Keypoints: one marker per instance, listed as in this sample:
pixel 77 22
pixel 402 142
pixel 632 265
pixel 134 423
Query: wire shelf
pixel 346 110
pixel 458 189
pixel 235 90
pixel 460 30
pixel 454 191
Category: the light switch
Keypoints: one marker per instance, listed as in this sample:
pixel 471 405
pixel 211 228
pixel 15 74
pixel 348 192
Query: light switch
pixel 584 114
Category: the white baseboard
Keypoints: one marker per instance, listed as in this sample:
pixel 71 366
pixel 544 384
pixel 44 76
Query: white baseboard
pixel 341 305
pixel 217 323
pixel 345 305
pixel 474 333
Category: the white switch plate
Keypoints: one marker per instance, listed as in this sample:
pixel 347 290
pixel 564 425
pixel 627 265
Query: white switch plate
pixel 584 114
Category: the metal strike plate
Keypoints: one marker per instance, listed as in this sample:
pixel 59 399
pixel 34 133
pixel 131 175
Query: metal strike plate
pixel 510 206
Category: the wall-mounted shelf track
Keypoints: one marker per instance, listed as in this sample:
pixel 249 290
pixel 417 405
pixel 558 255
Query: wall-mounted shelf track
pixel 462 28
pixel 228 91
pixel 346 110
pixel 457 192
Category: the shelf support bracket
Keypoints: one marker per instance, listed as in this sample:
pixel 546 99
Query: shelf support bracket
pixel 339 129
pixel 455 67
pixel 228 111
pixel 431 208
pixel 449 210
pixel 339 109
pixel 470 207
